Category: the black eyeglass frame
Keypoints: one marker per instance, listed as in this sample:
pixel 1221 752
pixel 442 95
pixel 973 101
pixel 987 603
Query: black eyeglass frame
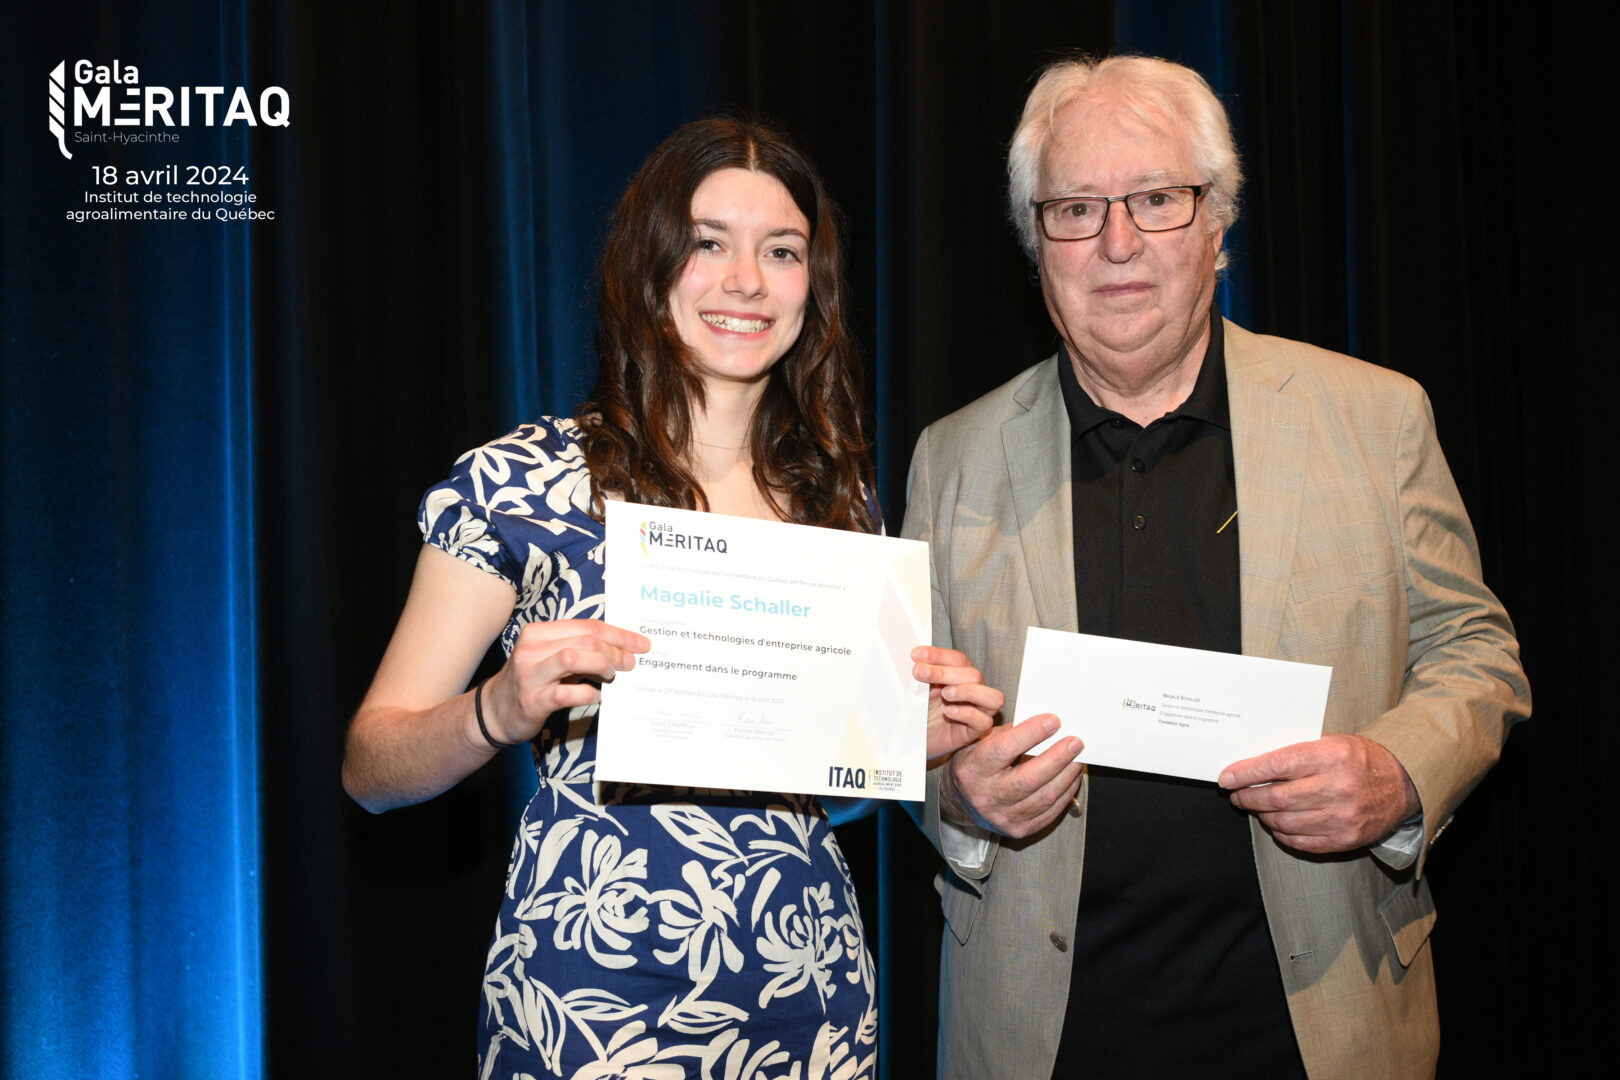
pixel 1108 202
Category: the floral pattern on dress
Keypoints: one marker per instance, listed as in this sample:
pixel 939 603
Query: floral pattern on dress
pixel 644 932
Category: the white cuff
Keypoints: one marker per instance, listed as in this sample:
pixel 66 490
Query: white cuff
pixel 1400 848
pixel 965 847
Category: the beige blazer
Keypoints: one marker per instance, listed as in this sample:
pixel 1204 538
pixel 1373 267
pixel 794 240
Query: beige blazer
pixel 1356 552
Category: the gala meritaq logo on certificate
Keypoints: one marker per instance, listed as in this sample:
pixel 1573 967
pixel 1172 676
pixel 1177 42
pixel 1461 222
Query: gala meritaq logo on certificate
pixel 92 103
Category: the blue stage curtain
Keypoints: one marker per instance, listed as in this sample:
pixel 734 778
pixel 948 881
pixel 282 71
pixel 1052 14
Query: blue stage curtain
pixel 129 826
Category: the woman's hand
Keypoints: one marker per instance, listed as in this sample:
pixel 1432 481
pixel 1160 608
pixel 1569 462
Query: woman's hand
pixel 555 665
pixel 416 733
pixel 961 708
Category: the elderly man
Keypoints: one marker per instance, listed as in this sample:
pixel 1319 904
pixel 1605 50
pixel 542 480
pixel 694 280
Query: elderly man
pixel 1170 477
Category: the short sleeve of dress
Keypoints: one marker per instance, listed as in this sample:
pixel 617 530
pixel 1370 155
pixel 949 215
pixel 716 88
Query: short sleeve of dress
pixel 519 508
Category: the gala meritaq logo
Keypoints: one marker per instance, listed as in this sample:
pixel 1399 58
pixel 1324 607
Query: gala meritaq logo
pixel 112 96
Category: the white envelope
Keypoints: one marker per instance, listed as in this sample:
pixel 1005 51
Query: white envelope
pixel 1169 710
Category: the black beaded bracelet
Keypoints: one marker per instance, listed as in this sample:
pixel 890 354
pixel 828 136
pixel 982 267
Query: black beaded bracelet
pixel 478 711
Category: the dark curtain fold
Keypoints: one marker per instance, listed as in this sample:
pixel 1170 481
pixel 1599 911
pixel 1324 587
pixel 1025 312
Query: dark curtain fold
pixel 214 444
pixel 130 828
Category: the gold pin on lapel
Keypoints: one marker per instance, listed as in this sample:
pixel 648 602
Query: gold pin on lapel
pixel 1225 523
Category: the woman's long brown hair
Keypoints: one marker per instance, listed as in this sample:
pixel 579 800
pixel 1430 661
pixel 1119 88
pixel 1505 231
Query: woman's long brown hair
pixel 810 455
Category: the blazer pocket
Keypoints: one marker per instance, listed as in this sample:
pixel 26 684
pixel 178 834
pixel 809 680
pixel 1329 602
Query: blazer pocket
pixel 960 902
pixel 1348 540
pixel 1408 914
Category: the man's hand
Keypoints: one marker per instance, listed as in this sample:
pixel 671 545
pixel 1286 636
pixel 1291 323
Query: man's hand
pixel 989 785
pixel 960 706
pixel 1338 793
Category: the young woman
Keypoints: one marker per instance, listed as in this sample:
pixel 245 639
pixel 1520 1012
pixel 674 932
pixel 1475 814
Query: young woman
pixel 653 931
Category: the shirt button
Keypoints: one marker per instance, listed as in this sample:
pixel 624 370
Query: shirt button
pixel 1059 942
pixel 1138 467
pixel 1116 423
pixel 1138 522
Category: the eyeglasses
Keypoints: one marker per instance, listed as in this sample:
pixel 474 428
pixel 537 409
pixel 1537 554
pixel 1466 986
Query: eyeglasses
pixel 1162 209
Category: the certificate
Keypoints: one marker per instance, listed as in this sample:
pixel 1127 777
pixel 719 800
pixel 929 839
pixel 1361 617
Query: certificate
pixel 780 659
pixel 1163 709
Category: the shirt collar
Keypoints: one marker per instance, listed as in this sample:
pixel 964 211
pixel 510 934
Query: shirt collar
pixel 1207 402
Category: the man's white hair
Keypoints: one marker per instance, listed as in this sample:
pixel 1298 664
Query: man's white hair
pixel 1150 87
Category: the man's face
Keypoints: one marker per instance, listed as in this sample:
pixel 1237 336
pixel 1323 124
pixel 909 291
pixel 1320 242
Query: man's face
pixel 1125 300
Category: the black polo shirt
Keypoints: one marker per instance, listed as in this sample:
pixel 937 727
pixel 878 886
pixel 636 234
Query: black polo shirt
pixel 1174 971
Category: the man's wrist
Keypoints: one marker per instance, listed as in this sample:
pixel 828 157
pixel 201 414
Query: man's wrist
pixel 955 807
pixel 950 799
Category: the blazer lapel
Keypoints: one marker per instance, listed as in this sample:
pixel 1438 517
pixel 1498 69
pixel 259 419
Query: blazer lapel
pixel 1270 439
pixel 1036 445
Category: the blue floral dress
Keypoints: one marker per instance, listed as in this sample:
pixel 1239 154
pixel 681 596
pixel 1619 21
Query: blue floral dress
pixel 645 932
